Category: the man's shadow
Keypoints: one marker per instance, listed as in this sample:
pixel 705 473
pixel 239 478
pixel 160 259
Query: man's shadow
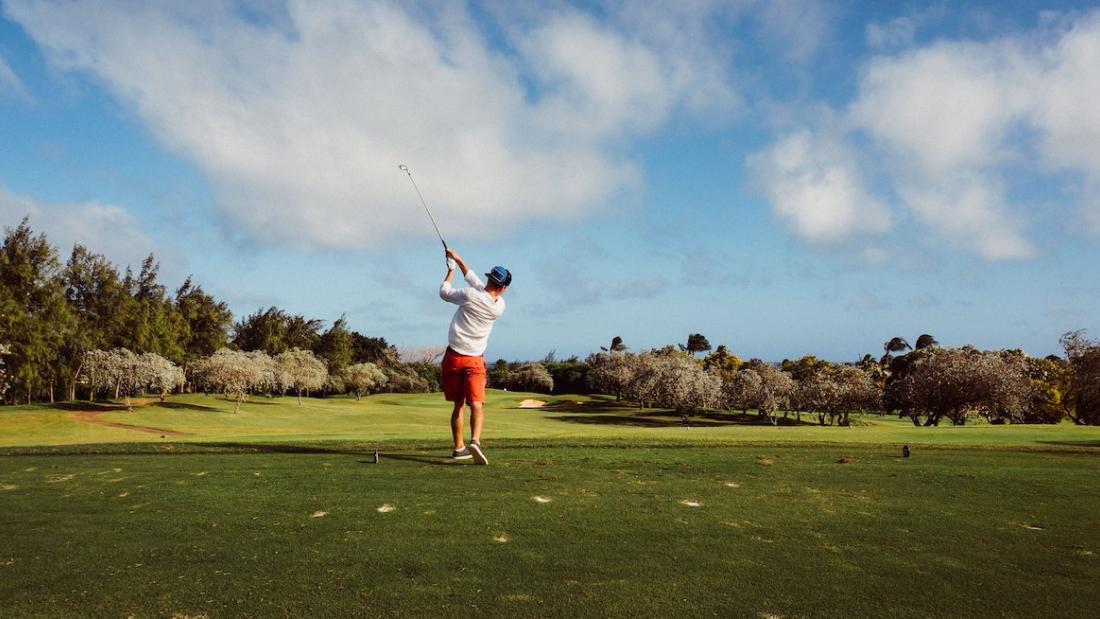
pixel 421 458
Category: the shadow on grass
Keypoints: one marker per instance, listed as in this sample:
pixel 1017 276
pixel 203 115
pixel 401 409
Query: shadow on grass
pixel 184 406
pixel 282 448
pixel 342 450
pixel 421 458
pixel 1075 443
pixel 617 414
pixel 79 406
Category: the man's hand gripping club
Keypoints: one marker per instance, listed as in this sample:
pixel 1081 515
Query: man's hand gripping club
pixel 454 261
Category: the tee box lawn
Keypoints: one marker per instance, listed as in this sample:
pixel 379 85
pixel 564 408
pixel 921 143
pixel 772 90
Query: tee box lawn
pixel 587 509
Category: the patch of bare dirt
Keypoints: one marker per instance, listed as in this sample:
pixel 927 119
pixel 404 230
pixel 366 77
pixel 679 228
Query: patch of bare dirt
pixel 529 403
pixel 91 417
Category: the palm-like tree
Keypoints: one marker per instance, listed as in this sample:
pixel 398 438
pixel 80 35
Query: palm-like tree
pixel 926 341
pixel 616 345
pixel 896 344
pixel 697 342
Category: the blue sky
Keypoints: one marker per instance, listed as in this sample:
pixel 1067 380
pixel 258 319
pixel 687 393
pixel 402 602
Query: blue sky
pixel 784 177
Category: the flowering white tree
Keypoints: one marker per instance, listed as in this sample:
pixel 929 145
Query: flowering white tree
pixel 531 377
pixel 958 382
pixel 776 390
pixel 236 373
pixel 301 371
pixel 159 374
pixel 96 371
pixel 422 355
pixel 118 369
pixel 674 381
pixel 742 391
pixel 3 372
pixel 362 377
pixel 611 372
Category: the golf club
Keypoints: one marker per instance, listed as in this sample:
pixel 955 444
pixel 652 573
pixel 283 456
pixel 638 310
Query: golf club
pixel 404 168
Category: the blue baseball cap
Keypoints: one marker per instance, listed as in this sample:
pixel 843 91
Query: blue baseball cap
pixel 499 276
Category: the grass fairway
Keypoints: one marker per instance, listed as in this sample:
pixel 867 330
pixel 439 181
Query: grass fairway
pixel 238 517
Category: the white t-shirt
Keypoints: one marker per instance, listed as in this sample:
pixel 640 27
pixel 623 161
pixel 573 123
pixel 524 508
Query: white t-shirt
pixel 473 321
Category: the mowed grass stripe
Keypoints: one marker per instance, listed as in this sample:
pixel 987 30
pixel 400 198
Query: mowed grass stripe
pixel 946 533
pixel 389 418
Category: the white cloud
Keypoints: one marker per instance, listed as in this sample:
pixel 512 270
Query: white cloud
pixel 971 212
pixel 945 106
pixel 951 126
pixel 10 82
pixel 814 184
pixel 102 228
pixel 301 123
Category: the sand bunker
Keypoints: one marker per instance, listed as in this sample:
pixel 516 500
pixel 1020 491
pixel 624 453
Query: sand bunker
pixel 532 404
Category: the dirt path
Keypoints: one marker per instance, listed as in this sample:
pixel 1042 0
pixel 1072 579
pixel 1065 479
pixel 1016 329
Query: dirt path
pixel 91 417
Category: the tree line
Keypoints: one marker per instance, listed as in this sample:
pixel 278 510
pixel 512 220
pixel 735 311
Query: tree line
pixel 82 327
pixel 85 328
pixel 926 383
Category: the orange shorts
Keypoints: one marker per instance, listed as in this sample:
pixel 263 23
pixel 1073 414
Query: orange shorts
pixel 463 377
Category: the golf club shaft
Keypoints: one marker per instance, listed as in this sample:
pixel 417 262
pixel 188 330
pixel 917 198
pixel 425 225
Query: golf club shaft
pixel 405 168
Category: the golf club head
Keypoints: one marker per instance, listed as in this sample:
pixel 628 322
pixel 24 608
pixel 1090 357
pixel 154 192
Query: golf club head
pixel 403 167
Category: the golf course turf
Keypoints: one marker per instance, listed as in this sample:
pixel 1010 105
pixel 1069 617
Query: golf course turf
pixel 242 516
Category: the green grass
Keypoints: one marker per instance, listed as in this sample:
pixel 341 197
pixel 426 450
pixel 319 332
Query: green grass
pixel 386 418
pixel 946 533
pixel 274 512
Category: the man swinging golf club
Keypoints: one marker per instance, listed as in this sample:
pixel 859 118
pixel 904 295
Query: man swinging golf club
pixel 464 364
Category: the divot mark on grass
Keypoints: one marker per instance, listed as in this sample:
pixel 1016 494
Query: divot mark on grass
pixel 199 474
pixel 124 495
pixel 30 469
pixel 732 484
pixel 318 514
pixel 502 538
pixel 690 503
pixel 9 486
pixel 765 461
pixel 386 508
pixel 541 499
pixel 60 478
pixel 1034 527
pixel 116 470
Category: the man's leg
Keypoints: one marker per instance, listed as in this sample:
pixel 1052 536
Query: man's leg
pixel 456 425
pixel 477 418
